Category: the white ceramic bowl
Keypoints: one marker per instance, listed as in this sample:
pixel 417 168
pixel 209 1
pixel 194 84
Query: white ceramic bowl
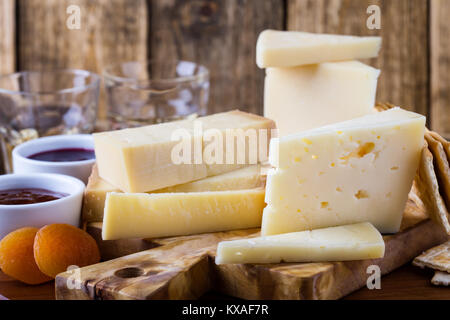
pixel 63 210
pixel 77 169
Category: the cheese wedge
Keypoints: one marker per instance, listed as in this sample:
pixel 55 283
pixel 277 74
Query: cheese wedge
pixel 292 48
pixel 351 242
pixel 163 155
pixel 308 97
pixel 355 171
pixel 97 188
pixel 173 214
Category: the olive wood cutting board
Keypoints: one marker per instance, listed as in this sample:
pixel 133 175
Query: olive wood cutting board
pixel 184 268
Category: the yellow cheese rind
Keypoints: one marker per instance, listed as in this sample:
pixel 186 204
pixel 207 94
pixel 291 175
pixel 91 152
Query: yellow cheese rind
pixel 312 96
pixel 355 171
pixel 97 188
pixel 281 49
pixel 94 197
pixel 351 242
pixel 172 214
pixel 140 159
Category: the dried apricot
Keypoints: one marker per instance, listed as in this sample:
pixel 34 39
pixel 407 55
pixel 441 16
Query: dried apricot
pixel 17 258
pixel 58 246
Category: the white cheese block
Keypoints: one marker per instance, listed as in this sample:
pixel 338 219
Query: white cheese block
pixel 142 215
pixel 355 171
pixel 351 242
pixel 312 96
pixel 142 159
pixel 294 48
pixel 95 194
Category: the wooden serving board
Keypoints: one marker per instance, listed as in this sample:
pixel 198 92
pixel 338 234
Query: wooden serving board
pixel 184 268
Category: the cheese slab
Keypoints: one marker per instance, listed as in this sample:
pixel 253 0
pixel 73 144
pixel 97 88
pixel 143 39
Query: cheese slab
pixel 169 214
pixel 308 97
pixel 293 48
pixel 355 171
pixel 163 155
pixel 351 242
pixel 97 188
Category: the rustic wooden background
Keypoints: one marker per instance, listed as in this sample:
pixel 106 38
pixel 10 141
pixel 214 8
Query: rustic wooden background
pixel 221 34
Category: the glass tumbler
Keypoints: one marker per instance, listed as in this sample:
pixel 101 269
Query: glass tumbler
pixel 141 93
pixel 42 103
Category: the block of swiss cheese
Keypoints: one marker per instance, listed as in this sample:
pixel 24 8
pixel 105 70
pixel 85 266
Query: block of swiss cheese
pixel 293 48
pixel 359 170
pixel 154 157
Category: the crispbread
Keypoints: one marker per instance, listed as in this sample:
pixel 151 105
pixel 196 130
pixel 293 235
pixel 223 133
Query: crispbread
pixel 428 186
pixel 442 166
pixel 383 106
pixel 445 143
pixel 437 258
pixel 441 278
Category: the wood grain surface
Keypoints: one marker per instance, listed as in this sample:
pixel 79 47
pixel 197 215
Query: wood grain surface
pixel 7 36
pixel 404 29
pixel 405 283
pixel 440 66
pixel 184 268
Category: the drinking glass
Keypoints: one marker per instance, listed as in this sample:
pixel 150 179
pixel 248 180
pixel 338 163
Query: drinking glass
pixel 140 93
pixel 42 103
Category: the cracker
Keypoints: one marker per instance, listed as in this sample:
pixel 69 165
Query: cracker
pixel 437 258
pixel 442 168
pixel 428 186
pixel 445 143
pixel 383 106
pixel 441 279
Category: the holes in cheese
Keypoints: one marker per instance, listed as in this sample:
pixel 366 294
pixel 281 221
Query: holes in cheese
pixel 362 189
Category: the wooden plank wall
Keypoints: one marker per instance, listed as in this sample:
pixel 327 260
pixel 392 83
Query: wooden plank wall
pixel 222 35
pixel 440 65
pixel 7 36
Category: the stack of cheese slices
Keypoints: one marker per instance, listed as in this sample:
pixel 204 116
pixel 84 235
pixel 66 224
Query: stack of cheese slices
pixel 340 173
pixel 339 169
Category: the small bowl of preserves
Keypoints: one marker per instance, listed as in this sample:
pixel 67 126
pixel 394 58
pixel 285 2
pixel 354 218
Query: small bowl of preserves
pixel 71 155
pixel 38 199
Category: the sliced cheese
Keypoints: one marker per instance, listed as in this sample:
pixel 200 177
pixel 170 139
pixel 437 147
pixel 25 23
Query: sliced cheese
pixel 142 159
pixel 351 242
pixel 293 48
pixel 245 178
pixel 355 171
pixel 97 188
pixel 312 96
pixel 171 214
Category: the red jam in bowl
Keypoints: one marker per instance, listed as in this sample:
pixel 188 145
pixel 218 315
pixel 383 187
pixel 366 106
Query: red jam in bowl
pixel 64 155
pixel 28 196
